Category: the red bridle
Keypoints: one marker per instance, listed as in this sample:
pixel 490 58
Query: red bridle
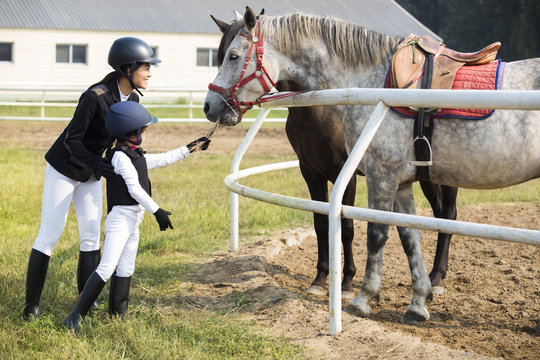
pixel 259 73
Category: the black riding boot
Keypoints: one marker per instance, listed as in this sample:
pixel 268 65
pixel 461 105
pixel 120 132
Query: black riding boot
pixel 88 262
pixel 119 295
pixel 90 293
pixel 38 264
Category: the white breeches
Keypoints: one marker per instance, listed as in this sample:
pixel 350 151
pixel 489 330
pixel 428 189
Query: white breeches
pixel 58 192
pixel 121 241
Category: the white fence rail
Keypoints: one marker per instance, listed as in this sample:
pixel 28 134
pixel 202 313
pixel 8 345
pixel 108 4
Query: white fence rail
pixel 44 97
pixel 382 98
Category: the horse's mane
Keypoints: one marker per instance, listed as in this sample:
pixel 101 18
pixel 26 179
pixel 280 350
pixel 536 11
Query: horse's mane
pixel 351 43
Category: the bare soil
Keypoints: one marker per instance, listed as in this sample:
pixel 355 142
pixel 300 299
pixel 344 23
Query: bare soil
pixel 489 308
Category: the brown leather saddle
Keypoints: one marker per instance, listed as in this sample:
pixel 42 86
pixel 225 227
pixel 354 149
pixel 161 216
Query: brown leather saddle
pixel 410 58
pixel 422 57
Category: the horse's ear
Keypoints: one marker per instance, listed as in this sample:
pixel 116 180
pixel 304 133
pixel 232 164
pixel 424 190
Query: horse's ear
pixel 262 12
pixel 249 18
pixel 239 16
pixel 222 25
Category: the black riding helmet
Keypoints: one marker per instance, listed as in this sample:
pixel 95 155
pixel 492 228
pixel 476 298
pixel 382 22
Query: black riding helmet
pixel 125 117
pixel 133 52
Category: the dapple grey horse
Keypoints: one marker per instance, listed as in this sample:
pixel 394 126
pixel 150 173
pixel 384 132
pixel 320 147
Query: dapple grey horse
pixel 317 138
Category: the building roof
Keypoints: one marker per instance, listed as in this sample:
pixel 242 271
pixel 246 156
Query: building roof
pixel 193 16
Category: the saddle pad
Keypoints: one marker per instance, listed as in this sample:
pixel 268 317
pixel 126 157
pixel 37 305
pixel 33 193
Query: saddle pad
pixel 476 77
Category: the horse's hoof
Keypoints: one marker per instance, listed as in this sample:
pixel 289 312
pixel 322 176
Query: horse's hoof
pixel 437 290
pixel 415 315
pixel 31 313
pixel 316 290
pixel 358 309
pixel 347 294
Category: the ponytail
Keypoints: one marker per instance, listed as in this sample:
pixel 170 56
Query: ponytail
pixel 109 77
pixel 116 74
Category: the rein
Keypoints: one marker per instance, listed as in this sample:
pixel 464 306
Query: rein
pixel 259 74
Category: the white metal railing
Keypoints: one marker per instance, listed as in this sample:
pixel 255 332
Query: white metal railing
pixel 382 98
pixel 42 97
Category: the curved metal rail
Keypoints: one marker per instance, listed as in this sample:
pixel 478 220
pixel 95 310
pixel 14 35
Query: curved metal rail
pixel 382 98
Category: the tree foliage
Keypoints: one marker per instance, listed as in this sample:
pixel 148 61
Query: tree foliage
pixel 467 25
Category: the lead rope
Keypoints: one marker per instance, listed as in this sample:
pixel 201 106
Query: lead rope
pixel 227 103
pixel 214 129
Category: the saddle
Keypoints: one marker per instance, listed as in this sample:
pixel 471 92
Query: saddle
pixel 423 57
pixel 409 61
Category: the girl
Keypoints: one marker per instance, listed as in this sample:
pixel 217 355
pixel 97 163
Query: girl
pixel 75 166
pixel 128 196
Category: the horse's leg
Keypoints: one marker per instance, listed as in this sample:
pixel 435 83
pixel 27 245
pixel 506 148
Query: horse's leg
pixel 443 203
pixel 347 236
pixel 381 197
pixel 318 190
pixel 411 242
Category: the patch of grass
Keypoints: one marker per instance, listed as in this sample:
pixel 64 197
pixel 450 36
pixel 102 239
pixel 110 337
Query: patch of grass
pixel 161 323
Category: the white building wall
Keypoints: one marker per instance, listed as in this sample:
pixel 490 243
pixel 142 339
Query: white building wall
pixel 34 58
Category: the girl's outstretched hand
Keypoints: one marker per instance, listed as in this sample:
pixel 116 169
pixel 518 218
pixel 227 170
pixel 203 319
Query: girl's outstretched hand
pixel 200 144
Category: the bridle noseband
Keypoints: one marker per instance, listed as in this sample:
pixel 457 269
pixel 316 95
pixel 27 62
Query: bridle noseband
pixel 259 74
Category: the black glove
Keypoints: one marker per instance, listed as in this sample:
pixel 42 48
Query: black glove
pixel 104 168
pixel 194 145
pixel 162 217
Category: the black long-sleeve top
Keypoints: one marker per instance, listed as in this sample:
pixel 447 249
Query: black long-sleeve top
pixel 77 150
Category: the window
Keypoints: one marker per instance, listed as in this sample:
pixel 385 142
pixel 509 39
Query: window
pixel 206 57
pixel 71 54
pixel 6 52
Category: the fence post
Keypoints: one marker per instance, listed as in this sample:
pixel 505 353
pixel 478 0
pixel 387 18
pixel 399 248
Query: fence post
pixel 43 105
pixel 191 105
pixel 242 148
pixel 334 213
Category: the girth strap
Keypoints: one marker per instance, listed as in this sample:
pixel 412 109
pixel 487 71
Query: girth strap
pixel 423 128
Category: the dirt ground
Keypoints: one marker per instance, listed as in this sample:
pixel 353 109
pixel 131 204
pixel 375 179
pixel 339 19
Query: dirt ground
pixel 489 308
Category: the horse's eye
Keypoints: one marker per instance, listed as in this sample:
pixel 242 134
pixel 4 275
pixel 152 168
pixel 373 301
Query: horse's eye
pixel 233 57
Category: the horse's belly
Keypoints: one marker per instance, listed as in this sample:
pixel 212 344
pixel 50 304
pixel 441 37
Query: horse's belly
pixel 488 154
pixel 471 177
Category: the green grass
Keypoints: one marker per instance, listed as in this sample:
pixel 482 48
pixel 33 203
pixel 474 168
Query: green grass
pixel 164 321
pixel 161 322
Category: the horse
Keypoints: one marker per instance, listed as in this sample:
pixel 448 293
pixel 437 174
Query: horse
pixel 317 138
pixel 323 52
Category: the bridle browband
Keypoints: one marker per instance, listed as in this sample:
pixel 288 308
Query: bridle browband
pixel 259 74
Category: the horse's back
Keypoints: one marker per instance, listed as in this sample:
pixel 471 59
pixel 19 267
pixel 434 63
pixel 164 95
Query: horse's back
pixel 499 151
pixel 522 75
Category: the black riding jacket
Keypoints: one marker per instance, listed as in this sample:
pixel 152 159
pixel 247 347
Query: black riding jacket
pixel 81 145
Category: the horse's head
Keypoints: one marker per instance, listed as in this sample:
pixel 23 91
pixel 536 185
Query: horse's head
pixel 242 77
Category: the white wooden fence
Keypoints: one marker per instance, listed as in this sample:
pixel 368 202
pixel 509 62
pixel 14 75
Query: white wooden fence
pixel 42 97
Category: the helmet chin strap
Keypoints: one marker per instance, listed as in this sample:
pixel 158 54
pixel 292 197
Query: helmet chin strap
pixel 135 142
pixel 133 86
pixel 129 77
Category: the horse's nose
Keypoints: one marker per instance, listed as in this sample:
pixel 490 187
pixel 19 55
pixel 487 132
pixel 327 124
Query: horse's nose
pixel 206 107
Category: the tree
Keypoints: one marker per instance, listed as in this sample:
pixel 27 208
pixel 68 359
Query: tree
pixel 470 25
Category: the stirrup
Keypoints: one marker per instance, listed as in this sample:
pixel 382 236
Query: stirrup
pixel 423 162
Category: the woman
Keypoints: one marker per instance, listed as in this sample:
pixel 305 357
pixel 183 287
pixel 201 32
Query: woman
pixel 75 166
